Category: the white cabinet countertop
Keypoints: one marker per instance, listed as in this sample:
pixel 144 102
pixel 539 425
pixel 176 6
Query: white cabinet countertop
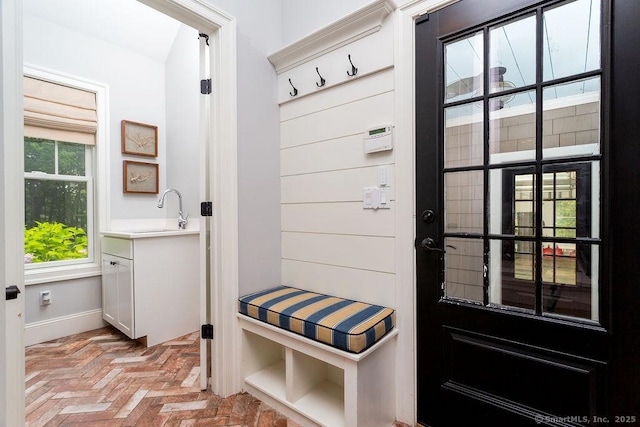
pixel 147 233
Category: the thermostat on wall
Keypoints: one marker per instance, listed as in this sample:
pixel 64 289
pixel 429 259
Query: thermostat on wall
pixel 378 139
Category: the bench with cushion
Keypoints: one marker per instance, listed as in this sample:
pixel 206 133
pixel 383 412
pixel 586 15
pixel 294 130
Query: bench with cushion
pixel 345 324
pixel 319 359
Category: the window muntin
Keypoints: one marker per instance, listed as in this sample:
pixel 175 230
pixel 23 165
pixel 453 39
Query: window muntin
pixel 58 203
pixel 519 272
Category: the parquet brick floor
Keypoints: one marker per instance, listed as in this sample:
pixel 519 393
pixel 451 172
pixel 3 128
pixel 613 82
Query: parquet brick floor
pixel 101 378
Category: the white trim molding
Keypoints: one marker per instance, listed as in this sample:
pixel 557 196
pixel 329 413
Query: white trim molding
pixel 406 370
pixel 11 214
pixel 222 187
pixel 348 29
pixel 52 329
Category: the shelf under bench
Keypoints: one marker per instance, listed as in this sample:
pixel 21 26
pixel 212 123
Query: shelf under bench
pixel 316 384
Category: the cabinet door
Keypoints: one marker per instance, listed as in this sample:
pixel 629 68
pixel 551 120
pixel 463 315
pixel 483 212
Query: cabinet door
pixel 125 296
pixel 117 293
pixel 109 289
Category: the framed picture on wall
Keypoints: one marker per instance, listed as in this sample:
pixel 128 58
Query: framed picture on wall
pixel 139 177
pixel 139 139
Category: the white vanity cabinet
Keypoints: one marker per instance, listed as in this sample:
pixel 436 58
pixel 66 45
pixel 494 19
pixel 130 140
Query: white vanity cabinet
pixel 150 284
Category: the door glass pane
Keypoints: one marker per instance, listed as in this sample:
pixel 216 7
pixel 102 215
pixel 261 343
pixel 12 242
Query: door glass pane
pixel 464 269
pixel 463 140
pixel 512 128
pixel 571 200
pixel 512 273
pixel 463 69
pixel 571 37
pixel 464 194
pixel 570 279
pixel 571 119
pixel 512 55
pixel 512 201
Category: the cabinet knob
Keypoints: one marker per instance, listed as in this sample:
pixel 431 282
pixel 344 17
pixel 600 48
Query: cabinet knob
pixel 112 262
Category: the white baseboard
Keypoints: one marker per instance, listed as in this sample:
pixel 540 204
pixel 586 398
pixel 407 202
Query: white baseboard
pixel 51 329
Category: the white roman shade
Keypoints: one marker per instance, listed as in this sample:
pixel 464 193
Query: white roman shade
pixel 61 113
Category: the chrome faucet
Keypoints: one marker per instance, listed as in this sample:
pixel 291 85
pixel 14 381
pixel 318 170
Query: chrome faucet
pixel 182 220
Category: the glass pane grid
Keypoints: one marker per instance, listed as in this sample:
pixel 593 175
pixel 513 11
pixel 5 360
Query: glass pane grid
pixel 525 267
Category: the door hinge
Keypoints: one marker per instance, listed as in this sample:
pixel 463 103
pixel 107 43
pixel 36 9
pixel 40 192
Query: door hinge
pixel 206 209
pixel 205 87
pixel 206 332
pixel 206 37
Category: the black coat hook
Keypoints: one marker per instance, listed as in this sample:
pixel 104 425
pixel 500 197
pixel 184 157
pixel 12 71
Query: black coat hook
pixel 354 70
pixel 295 91
pixel 322 80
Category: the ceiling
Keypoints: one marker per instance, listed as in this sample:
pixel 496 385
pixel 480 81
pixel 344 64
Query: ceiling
pixel 126 23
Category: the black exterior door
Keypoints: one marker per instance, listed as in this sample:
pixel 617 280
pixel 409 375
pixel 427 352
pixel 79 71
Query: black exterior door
pixel 527 198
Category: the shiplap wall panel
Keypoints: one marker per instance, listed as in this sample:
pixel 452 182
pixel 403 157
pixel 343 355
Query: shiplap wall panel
pixel 364 252
pixel 330 244
pixel 336 186
pixel 322 156
pixel 360 88
pixel 346 119
pixel 338 218
pixel 372 287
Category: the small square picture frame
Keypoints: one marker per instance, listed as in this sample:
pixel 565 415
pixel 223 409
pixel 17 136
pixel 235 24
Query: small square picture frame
pixel 140 177
pixel 139 139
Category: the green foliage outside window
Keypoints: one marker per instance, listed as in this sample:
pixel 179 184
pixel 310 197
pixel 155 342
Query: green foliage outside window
pixel 55 201
pixel 49 241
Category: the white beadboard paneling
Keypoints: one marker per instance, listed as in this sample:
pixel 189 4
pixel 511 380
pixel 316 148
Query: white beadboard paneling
pixel 364 87
pixel 346 119
pixel 364 252
pixel 338 218
pixel 334 154
pixel 372 287
pixel 336 186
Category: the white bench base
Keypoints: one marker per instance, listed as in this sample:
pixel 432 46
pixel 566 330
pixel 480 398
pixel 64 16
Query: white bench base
pixel 316 384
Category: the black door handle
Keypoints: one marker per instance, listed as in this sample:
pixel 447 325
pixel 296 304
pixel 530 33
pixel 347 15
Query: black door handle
pixel 430 245
pixel 11 292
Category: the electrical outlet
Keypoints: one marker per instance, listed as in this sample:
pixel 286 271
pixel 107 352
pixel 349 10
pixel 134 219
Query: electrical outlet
pixel 45 297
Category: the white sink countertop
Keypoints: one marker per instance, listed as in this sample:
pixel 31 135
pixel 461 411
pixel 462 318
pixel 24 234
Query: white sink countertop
pixel 145 233
pixel 145 228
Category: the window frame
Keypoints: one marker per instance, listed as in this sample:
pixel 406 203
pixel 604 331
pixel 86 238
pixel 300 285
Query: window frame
pixel 98 162
pixel 87 178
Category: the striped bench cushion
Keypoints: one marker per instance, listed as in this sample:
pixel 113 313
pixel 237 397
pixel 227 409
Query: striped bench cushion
pixel 345 324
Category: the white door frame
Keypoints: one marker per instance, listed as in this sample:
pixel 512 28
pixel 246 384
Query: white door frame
pixel 221 28
pixel 11 214
pixel 406 369
pixel 221 175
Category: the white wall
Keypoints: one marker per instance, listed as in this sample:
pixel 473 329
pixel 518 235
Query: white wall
pixel 136 92
pixel 301 17
pixel 183 121
pixel 258 35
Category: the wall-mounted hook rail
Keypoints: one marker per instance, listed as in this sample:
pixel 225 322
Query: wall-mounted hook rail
pixel 295 91
pixel 322 80
pixel 354 70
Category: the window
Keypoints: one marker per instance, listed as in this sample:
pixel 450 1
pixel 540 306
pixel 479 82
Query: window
pixel 58 201
pixel 59 144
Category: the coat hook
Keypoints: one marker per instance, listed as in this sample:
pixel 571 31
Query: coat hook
pixel 354 70
pixel 295 91
pixel 322 80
